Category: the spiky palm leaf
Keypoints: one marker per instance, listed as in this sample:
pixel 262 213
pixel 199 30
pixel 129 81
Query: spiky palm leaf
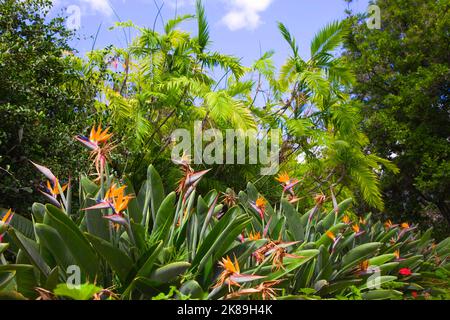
pixel 328 38
pixel 203 28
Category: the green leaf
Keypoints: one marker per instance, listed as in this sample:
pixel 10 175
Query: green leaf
pixel 154 193
pixel 169 273
pixel 328 221
pixel 217 235
pixel 192 289
pixel 293 221
pixel 230 237
pixel 75 241
pixel 134 209
pixel 149 263
pixel 358 254
pixel 379 281
pixel 382 295
pixel 49 238
pixel 325 240
pixel 95 223
pixel 116 258
pixel 387 267
pixel 410 262
pixel 53 279
pixel 24 225
pixel 6 280
pixel 338 286
pixel 3 247
pixel 379 260
pixel 165 216
pixel 292 264
pixel 90 188
pixel 84 292
pixel 328 38
pixel 203 28
pixel 31 250
pixel 25 279
pixel 38 210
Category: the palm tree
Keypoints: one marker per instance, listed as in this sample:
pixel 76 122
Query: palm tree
pixel 163 81
pixel 309 101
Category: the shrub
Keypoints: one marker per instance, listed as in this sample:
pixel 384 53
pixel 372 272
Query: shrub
pixel 142 244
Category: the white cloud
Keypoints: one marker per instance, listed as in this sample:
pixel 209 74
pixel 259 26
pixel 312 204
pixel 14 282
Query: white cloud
pixel 87 6
pixel 245 13
pixel 100 6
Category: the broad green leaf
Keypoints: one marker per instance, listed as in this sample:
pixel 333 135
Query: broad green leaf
pixel 329 219
pixel 95 223
pixel 165 216
pixel 293 220
pixel 387 267
pixel 155 191
pixel 49 238
pixel 338 286
pixel 382 294
pixel 133 209
pixel 75 241
pixel 53 279
pixel 116 258
pixel 378 281
pixel 213 234
pixel 410 262
pixel 24 225
pixel 325 240
pixel 6 280
pixel 84 292
pixel 358 254
pixel 31 250
pixel 90 188
pixel 38 210
pixel 169 273
pixel 192 289
pixel 379 260
pixel 24 277
pixel 149 264
pixel 3 247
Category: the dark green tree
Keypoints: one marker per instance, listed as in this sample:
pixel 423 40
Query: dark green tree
pixel 403 82
pixel 44 99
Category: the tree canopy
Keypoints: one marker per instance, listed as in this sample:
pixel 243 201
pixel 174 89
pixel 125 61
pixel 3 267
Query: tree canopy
pixel 402 82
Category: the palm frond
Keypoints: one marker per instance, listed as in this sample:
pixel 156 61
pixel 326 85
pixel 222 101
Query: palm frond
pixel 173 23
pixel 223 108
pixel 368 183
pixel 240 88
pixel 385 163
pixel 265 65
pixel 289 38
pixel 315 82
pixel 203 27
pixel 328 38
pixel 225 62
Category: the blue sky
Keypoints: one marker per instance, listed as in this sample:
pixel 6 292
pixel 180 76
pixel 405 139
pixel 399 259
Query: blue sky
pixel 238 27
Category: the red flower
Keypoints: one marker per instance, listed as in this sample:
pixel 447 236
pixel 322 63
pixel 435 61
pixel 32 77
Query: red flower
pixel 414 294
pixel 405 272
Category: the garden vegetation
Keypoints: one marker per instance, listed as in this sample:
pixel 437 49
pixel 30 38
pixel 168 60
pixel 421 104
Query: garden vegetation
pixel 91 194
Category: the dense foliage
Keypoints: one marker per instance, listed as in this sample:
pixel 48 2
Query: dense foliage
pixel 144 244
pixel 109 228
pixel 165 80
pixel 403 82
pixel 43 98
